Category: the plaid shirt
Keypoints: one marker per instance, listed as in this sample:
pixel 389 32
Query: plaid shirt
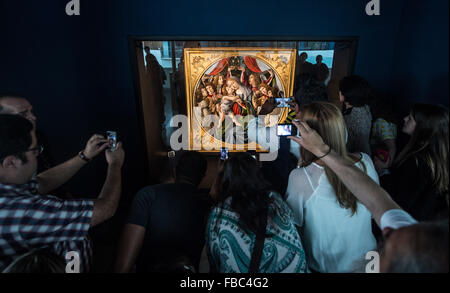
pixel 30 221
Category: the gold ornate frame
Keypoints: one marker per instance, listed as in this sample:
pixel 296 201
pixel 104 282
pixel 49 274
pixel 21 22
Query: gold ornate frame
pixel 198 61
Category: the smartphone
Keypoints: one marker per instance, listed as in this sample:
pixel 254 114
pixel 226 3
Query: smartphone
pixel 286 130
pixel 283 102
pixel 112 140
pixel 224 154
pixel 383 155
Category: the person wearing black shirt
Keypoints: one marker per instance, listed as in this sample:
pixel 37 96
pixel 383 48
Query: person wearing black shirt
pixel 167 221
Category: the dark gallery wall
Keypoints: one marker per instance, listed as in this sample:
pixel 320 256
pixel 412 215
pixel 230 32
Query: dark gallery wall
pixel 420 71
pixel 76 70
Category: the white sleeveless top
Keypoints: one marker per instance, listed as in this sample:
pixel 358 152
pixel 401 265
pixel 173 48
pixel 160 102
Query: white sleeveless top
pixel 334 240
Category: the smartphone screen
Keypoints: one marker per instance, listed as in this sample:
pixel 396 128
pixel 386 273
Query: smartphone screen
pixel 283 102
pixel 284 129
pixel 112 140
pixel 224 154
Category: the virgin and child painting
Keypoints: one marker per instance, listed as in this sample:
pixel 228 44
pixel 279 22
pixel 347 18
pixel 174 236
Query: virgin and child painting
pixel 228 87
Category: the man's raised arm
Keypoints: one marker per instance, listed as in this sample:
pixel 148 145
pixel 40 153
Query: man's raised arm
pixel 57 176
pixel 106 204
pixel 370 194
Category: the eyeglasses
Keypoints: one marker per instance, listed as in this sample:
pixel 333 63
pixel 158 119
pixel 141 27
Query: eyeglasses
pixel 36 150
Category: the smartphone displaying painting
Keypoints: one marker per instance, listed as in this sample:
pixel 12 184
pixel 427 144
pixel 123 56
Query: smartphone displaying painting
pixel 112 140
pixel 283 102
pixel 286 130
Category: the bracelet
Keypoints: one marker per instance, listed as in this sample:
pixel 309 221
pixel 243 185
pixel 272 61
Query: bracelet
pixel 329 151
pixel 83 157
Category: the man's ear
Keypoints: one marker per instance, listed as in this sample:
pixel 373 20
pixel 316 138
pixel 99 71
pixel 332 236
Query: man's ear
pixel 10 162
pixel 297 109
pixel 387 232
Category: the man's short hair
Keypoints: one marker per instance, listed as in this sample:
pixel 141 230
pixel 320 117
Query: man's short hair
pixel 2 109
pixel 310 90
pixel 425 249
pixel 7 96
pixel 15 136
pixel 191 166
pixel 355 89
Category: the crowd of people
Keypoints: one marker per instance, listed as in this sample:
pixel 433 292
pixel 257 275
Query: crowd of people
pixel 341 188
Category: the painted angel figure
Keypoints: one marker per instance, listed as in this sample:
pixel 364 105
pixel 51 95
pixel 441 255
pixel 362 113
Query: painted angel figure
pixel 258 101
pixel 219 82
pixel 213 98
pixel 203 101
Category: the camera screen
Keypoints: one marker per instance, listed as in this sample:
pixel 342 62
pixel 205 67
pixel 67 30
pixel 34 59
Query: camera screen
pixel 112 139
pixel 224 154
pixel 283 102
pixel 284 130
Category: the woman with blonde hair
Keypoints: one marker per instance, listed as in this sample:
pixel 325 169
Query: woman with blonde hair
pixel 335 227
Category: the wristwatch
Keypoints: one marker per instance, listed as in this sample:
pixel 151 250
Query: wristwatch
pixel 83 157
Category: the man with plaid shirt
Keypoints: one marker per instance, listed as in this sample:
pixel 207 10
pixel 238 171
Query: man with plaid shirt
pixel 30 219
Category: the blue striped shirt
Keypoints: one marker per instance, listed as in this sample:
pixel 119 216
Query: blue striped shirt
pixel 31 221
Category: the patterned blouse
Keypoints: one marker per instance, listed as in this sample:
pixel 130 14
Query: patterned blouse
pixel 230 247
pixel 30 221
pixel 359 124
pixel 383 130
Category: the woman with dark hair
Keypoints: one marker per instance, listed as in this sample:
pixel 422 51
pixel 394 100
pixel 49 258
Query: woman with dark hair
pixel 354 94
pixel 418 179
pixel 248 219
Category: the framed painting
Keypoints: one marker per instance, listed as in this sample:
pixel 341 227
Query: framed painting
pixel 226 88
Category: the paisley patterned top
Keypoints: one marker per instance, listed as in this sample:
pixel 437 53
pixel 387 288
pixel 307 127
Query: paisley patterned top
pixel 230 247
